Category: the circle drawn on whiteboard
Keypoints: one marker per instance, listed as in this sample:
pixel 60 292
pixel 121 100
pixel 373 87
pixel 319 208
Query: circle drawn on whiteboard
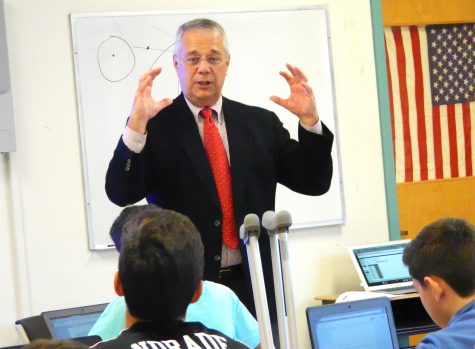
pixel 115 59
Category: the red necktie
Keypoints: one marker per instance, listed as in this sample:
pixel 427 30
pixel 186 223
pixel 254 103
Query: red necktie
pixel 222 176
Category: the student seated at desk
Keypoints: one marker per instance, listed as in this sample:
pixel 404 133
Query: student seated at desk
pixel 171 234
pixel 218 307
pixel 441 260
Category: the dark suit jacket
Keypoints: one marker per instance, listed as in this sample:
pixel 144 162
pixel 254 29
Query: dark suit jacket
pixel 173 170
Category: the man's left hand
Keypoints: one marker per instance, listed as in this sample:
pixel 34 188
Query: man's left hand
pixel 301 101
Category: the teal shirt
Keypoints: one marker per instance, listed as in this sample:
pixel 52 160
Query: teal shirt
pixel 218 308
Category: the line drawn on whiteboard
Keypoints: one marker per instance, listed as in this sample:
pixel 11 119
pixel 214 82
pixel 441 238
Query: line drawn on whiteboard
pixel 165 50
pixel 116 58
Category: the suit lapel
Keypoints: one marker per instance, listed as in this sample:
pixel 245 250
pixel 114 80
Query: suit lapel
pixel 188 137
pixel 239 149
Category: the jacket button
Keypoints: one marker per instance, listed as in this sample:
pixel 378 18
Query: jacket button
pixel 217 257
pixel 217 223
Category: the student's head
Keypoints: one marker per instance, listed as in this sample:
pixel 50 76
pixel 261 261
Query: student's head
pixel 124 217
pixel 55 344
pixel 160 265
pixel 441 260
pixel 201 60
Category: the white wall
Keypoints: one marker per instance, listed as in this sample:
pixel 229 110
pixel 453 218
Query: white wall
pixel 44 258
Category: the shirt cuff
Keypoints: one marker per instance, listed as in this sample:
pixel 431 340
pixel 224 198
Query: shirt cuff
pixel 317 128
pixel 135 141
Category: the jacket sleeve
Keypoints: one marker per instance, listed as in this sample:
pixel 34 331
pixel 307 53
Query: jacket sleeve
pixel 126 178
pixel 305 166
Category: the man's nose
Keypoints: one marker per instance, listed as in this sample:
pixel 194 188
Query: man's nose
pixel 203 65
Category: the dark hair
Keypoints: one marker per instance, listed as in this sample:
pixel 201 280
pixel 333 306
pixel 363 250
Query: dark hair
pixel 445 248
pixel 125 216
pixel 160 265
pixel 55 344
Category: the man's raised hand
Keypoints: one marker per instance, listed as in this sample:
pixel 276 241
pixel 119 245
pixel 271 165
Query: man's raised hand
pixel 301 101
pixel 145 107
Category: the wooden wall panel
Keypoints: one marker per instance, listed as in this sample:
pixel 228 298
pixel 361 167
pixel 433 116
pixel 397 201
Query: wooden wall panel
pixel 421 203
pixel 407 12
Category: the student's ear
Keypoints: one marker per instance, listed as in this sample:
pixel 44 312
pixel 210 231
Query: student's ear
pixel 198 292
pixel 436 287
pixel 118 285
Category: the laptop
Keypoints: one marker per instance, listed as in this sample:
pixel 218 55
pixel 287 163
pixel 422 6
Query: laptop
pixel 359 324
pixel 72 323
pixel 380 267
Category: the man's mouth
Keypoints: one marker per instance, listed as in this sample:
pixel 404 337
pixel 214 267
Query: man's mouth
pixel 204 83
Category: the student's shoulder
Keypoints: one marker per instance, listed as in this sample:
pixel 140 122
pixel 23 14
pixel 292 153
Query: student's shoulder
pixel 443 338
pixel 116 305
pixel 215 287
pixel 215 290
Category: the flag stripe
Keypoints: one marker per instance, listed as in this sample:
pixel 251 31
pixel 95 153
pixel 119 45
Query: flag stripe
pixel 411 103
pixel 460 138
pixel 427 104
pixel 444 140
pixel 396 117
pixel 401 64
pixel 439 167
pixel 452 129
pixel 467 131
pixel 419 96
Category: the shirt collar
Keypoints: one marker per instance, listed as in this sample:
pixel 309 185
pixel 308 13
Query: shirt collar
pixel 217 107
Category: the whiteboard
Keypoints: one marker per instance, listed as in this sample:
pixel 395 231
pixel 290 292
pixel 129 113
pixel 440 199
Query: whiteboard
pixel 112 50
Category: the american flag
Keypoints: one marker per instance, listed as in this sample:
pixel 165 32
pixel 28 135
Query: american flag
pixel 431 74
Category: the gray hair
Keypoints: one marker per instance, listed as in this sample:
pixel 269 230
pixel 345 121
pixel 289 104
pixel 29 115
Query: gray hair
pixel 199 23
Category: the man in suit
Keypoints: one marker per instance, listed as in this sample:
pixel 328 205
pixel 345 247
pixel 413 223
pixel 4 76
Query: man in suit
pixel 167 154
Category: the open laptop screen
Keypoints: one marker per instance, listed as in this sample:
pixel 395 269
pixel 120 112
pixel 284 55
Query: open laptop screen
pixel 383 264
pixel 353 325
pixel 73 322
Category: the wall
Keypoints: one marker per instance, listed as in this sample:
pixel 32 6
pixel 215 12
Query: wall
pixel 44 259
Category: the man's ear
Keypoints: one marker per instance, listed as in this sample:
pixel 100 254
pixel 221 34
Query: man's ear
pixel 198 292
pixel 228 60
pixel 175 62
pixel 118 285
pixel 436 287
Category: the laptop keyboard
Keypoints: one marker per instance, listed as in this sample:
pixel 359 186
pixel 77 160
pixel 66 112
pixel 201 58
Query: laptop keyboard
pixel 399 290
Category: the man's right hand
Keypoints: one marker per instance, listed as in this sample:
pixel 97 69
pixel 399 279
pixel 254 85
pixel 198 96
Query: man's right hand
pixel 145 107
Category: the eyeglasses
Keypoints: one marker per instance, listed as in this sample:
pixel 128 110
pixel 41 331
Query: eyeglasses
pixel 193 61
